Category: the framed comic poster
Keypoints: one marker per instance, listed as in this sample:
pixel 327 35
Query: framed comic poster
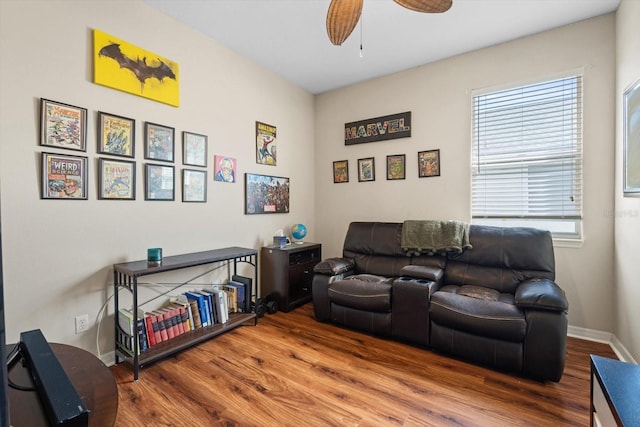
pixel 116 179
pixel 194 185
pixel 265 144
pixel 340 171
pixel 396 166
pixel 116 135
pixel 159 142
pixel 265 194
pixel 429 163
pixel 63 125
pixel 159 182
pixel 64 177
pixel 224 168
pixel 194 149
pixel 366 169
pixel 631 140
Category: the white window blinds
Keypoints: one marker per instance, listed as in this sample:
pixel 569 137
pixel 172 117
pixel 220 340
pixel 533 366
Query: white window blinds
pixel 527 152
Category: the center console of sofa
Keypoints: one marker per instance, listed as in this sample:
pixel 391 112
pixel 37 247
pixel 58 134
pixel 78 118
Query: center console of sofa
pixel 494 303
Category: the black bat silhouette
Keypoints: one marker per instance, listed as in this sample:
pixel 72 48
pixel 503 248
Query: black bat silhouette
pixel 138 67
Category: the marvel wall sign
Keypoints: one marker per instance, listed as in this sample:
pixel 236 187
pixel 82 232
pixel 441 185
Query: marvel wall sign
pixel 378 129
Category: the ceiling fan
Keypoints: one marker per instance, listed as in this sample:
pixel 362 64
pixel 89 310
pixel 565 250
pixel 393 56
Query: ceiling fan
pixel 343 15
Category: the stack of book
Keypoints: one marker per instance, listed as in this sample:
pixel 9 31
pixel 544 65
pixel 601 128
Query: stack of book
pixel 191 310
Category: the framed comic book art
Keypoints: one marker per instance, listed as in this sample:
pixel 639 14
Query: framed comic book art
pixel 116 135
pixel 366 169
pixel 63 125
pixel 194 185
pixel 265 194
pixel 396 166
pixel 194 149
pixel 159 182
pixel 64 177
pixel 428 163
pixel 340 171
pixel 224 168
pixel 116 179
pixel 159 142
pixel 265 144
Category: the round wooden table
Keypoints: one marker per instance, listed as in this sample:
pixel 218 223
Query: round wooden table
pixel 91 378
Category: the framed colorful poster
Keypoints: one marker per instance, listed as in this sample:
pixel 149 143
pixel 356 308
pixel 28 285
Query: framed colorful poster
pixel 194 149
pixel 116 135
pixel 64 177
pixel 631 140
pixel 224 168
pixel 194 185
pixel 116 179
pixel 265 194
pixel 63 125
pixel 159 142
pixel 366 169
pixel 395 166
pixel 159 182
pixel 265 144
pixel 429 163
pixel 340 171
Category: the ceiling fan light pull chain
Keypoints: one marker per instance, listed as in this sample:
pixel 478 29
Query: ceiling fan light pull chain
pixel 361 51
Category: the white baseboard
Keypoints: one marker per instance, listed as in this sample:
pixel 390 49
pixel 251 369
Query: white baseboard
pixel 604 338
pixel 108 359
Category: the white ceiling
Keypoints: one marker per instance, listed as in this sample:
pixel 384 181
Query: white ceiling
pixel 289 36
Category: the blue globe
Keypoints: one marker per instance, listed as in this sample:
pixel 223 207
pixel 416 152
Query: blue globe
pixel 298 231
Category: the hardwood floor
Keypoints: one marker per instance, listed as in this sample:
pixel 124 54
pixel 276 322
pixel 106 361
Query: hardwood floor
pixel 291 370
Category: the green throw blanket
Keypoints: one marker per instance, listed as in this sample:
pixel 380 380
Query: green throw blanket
pixel 432 237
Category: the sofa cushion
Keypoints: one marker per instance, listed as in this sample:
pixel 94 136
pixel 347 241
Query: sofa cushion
pixel 478 310
pixel 422 272
pixel 363 292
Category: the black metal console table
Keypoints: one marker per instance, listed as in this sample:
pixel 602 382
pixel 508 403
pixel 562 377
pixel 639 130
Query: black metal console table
pixel 126 275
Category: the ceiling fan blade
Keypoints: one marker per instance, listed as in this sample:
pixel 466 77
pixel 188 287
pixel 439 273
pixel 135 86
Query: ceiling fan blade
pixel 427 6
pixel 342 17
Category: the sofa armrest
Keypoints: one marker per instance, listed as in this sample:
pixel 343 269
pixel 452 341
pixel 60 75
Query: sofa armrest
pixel 334 266
pixel 541 294
pixel 422 272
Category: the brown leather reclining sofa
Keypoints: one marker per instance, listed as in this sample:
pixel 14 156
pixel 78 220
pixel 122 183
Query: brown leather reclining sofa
pixel 495 304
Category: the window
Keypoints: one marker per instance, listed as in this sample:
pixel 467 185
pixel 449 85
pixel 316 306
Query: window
pixel 527 157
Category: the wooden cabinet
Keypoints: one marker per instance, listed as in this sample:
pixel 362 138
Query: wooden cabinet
pixel 615 389
pixel 286 273
pixel 126 275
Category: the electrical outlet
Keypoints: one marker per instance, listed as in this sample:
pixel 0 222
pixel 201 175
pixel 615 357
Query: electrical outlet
pixel 82 323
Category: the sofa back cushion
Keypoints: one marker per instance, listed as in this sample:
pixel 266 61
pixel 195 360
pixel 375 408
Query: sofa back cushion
pixel 375 248
pixel 501 258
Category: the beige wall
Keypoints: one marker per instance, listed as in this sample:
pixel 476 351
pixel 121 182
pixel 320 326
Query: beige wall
pixel 438 95
pixel 627 209
pixel 58 253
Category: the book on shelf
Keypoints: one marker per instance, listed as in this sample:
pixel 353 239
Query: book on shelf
pixel 240 294
pixel 248 287
pixel 187 315
pixel 202 306
pixel 155 327
pixel 170 322
pixel 220 301
pixel 183 317
pixel 232 297
pixel 211 308
pixel 162 325
pixel 128 332
pixel 151 339
pixel 195 313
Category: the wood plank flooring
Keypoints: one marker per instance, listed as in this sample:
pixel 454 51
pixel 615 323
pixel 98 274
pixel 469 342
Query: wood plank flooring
pixel 291 370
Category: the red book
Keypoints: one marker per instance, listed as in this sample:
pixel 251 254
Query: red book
pixel 162 326
pixel 178 317
pixel 151 339
pixel 168 321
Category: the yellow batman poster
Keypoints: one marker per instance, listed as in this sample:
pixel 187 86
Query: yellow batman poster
pixel 123 66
